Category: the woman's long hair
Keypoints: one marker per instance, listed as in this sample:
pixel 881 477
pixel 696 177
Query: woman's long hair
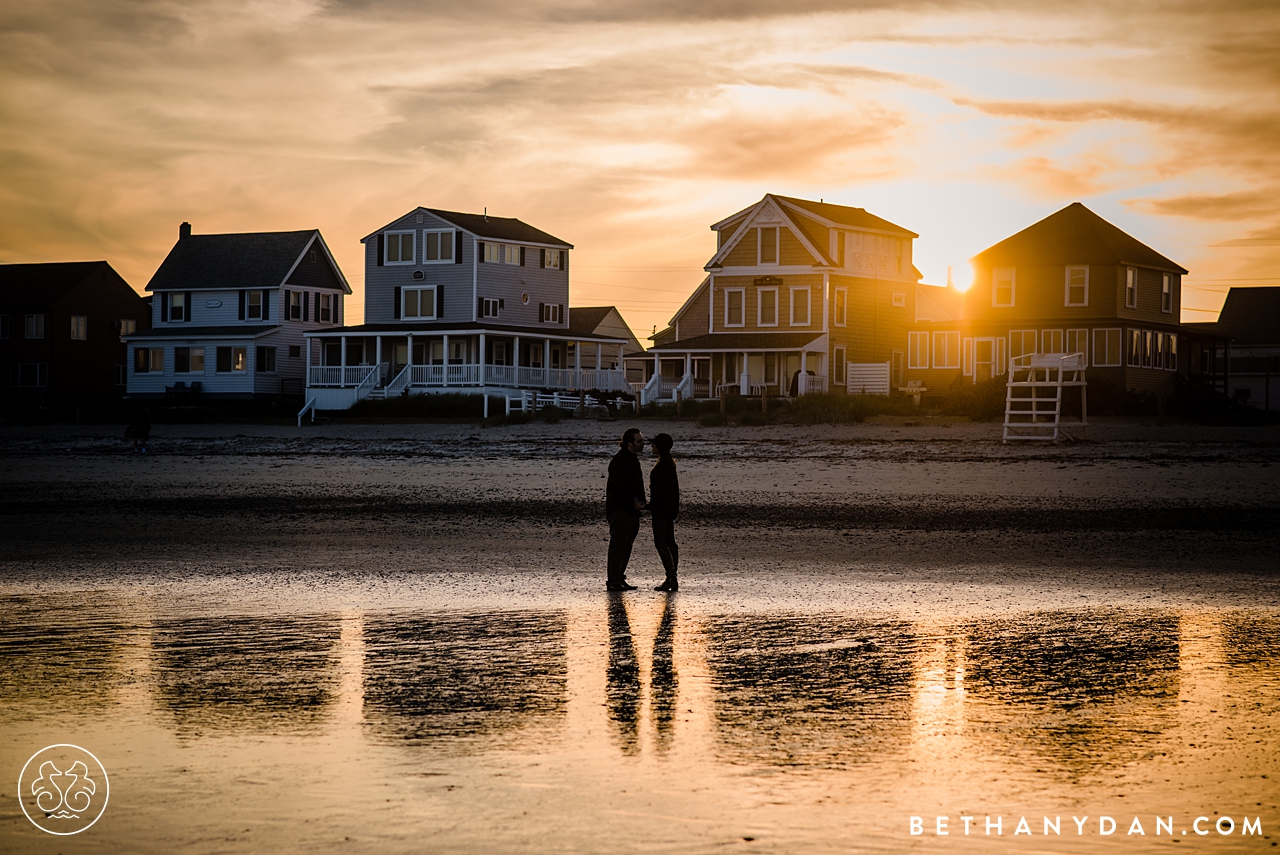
pixel 663 443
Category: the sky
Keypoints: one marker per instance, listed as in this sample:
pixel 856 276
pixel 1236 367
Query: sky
pixel 627 129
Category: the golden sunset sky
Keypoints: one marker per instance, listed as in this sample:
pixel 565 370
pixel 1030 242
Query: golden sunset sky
pixel 628 128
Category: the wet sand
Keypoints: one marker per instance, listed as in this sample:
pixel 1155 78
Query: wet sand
pixel 394 638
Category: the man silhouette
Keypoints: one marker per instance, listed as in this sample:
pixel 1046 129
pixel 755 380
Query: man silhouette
pixel 623 502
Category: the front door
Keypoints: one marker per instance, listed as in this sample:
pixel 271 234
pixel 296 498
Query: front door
pixel 984 359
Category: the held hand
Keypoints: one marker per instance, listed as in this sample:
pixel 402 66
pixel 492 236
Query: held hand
pixel 638 505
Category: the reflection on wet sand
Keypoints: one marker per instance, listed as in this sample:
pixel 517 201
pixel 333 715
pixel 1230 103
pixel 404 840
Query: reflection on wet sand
pixel 821 690
pixel 663 680
pixel 58 656
pixel 622 688
pixel 1251 638
pixel 432 677
pixel 245 673
pixel 1083 689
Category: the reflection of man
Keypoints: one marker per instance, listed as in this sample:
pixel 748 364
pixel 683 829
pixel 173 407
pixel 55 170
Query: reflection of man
pixel 623 502
pixel 622 691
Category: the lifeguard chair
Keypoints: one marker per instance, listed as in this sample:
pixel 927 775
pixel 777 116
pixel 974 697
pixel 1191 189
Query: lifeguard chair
pixel 1033 397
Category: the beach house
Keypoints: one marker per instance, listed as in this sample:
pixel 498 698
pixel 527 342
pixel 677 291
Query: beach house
pixel 229 312
pixel 470 303
pixel 796 291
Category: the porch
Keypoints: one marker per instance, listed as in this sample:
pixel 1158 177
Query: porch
pixel 779 365
pixel 346 367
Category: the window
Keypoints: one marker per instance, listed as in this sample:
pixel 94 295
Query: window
pixel 79 328
pixel 733 311
pixel 313 256
pixel 1077 286
pixel 35 326
pixel 232 359
pixel 769 245
pixel 295 305
pixel 1003 280
pixel 266 360
pixel 177 306
pixel 437 246
pixel 966 358
pixel 513 255
pixel 552 313
pixel 767 310
pixel 1021 342
pixel 841 308
pixel 188 360
pixel 917 350
pixel 493 253
pixel 1131 287
pixel 1135 348
pixel 1078 342
pixel 1148 348
pixel 4 326
pixel 418 303
pixel 128 326
pixel 1166 293
pixel 551 258
pixel 34 374
pixel 490 308
pixel 253 305
pixel 400 248
pixel 946 350
pixel 1171 352
pixel 1051 341
pixel 148 359
pixel 327 314
pixel 458 352
pixel 295 351
pixel 899 299
pixel 799 307
pixel 1106 348
pixel 840 365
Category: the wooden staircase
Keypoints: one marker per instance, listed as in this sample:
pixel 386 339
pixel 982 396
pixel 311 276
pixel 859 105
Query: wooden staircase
pixel 1033 397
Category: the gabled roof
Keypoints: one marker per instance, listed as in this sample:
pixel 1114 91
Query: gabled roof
pixel 1076 235
pixel 843 215
pixel 1250 316
pixel 800 214
pixel 251 259
pixel 488 227
pixel 938 303
pixel 589 320
pixel 36 286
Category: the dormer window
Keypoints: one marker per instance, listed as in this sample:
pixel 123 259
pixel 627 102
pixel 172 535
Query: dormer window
pixel 399 248
pixel 769 245
pixel 437 246
pixel 177 306
pixel 1003 282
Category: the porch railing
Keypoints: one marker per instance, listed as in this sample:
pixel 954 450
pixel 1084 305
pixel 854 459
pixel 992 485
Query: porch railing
pixel 337 375
pixel 396 386
pixel 370 381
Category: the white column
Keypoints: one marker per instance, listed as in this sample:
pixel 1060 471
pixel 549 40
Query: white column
pixel 342 363
pixel 445 373
pixel 480 359
pixel 546 362
pixel 577 365
pixel 802 386
pixel 377 350
pixel 515 360
pixel 744 379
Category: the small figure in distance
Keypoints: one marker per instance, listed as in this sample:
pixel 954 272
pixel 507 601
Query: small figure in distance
pixel 139 430
pixel 623 502
pixel 664 505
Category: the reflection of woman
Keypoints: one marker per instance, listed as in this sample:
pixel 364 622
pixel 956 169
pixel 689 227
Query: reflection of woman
pixel 664 505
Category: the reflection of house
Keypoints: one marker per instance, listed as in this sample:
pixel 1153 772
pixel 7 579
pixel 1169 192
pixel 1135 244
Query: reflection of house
pixel 60 328
pixel 1250 364
pixel 229 312
pixel 465 303
pixel 796 290
pixel 1071 283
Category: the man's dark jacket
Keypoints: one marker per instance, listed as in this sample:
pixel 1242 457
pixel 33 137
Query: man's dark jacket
pixel 664 489
pixel 626 484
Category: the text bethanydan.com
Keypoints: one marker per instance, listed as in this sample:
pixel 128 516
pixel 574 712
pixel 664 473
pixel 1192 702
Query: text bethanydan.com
pixel 1104 826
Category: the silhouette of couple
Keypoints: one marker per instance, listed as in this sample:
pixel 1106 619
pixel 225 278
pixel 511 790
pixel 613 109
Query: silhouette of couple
pixel 625 499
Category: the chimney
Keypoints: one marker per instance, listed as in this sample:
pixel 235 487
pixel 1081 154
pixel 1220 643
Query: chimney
pixel 184 231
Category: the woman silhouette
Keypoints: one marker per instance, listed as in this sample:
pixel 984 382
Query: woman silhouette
pixel 664 505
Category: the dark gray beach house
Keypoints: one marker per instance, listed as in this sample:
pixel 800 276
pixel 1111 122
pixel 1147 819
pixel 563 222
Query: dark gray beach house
pixel 466 303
